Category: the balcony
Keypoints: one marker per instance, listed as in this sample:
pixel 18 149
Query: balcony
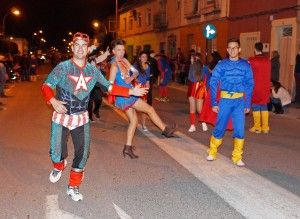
pixel 196 9
pixel 191 9
pixel 160 22
pixel 211 8
pixel 194 14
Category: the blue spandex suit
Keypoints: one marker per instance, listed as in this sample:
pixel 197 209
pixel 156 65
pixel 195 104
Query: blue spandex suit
pixel 235 79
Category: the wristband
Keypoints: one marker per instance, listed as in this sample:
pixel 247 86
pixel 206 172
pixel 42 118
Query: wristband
pixel 119 91
pixel 47 93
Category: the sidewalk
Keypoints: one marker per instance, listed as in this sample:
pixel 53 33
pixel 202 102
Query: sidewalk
pixel 293 111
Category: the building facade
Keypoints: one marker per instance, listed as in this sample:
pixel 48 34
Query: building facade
pixel 273 22
pixel 170 24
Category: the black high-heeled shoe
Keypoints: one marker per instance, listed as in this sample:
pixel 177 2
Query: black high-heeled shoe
pixel 128 150
pixel 169 131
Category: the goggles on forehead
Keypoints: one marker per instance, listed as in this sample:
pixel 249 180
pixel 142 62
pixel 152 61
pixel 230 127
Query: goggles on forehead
pixel 81 36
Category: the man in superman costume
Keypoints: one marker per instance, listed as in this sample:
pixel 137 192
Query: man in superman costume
pixel 73 81
pixel 235 78
pixel 261 66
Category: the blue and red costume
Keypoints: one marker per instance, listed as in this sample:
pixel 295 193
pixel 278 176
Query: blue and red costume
pixel 235 80
pixel 73 85
pixel 207 115
pixel 123 70
pixel 143 79
pixel 166 72
pixel 261 67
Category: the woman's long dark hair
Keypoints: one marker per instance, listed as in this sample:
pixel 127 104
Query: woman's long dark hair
pixel 216 57
pixel 197 66
pixel 276 86
pixel 140 68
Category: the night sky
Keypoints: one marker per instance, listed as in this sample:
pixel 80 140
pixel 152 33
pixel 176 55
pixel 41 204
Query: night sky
pixel 55 17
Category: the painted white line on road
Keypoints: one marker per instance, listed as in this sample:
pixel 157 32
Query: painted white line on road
pixel 122 214
pixel 250 194
pixel 53 211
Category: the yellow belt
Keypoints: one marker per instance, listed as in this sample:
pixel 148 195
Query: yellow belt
pixel 231 95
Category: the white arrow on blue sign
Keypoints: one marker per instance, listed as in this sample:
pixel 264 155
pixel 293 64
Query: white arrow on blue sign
pixel 209 31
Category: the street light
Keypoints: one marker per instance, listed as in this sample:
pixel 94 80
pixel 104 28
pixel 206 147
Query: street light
pixel 96 24
pixel 13 11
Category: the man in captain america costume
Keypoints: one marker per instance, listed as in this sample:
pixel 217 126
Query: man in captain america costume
pixel 73 81
pixel 235 78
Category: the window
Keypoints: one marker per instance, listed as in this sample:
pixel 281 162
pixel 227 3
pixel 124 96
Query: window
pixel 148 17
pixel 130 24
pixel 139 20
pixel 124 24
pixel 191 8
pixel 287 31
pixel 195 6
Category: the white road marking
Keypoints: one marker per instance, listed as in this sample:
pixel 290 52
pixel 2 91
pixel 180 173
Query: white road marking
pixel 122 214
pixel 53 211
pixel 250 194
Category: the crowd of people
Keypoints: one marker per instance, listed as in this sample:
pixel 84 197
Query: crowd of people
pixel 16 68
pixel 220 93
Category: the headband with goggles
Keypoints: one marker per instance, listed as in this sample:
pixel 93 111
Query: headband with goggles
pixel 81 36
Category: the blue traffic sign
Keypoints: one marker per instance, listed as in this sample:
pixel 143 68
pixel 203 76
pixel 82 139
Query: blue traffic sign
pixel 209 31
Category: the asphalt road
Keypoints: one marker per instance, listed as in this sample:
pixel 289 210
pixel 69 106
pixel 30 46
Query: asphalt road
pixel 171 179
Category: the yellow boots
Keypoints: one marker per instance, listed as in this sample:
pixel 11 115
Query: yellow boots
pixel 238 145
pixel 213 148
pixel 236 153
pixel 257 122
pixel 261 122
pixel 265 122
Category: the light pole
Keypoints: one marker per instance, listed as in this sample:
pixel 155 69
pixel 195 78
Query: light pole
pixel 116 19
pixel 13 11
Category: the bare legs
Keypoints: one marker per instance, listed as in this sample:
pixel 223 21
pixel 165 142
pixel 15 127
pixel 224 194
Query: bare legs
pixel 133 121
pixel 143 107
pixel 195 107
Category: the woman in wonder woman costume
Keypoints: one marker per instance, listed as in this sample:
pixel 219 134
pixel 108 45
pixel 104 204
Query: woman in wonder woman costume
pixel 120 75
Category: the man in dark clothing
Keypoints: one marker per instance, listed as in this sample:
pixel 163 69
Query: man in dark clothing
pixel 275 66
pixel 153 75
pixel 2 75
pixel 297 78
pixel 96 101
pixel 25 65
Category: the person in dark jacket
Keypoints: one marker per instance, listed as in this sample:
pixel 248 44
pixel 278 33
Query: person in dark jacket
pixel 297 78
pixel 2 75
pixel 275 66
pixel 153 75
